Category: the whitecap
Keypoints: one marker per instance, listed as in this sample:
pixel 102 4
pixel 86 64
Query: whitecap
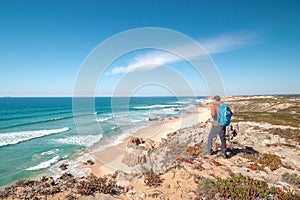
pixel 103 119
pixel 17 137
pixel 114 141
pixel 114 128
pixel 50 152
pixel 138 120
pixel 81 140
pixel 120 138
pixel 57 118
pixel 44 165
pixel 156 106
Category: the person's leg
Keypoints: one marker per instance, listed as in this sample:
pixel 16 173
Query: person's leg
pixel 222 133
pixel 213 132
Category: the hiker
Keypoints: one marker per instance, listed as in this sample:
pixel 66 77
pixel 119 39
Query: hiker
pixel 221 115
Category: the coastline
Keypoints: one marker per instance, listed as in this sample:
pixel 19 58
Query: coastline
pixel 109 160
pixel 263 155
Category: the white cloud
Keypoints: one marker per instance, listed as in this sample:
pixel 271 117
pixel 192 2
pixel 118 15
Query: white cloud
pixel 214 45
pixel 146 62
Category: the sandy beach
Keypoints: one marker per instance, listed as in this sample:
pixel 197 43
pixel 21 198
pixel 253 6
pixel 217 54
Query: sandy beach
pixel 109 160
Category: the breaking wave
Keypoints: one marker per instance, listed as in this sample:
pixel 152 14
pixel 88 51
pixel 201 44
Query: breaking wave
pixel 103 119
pixel 22 136
pixel 44 165
pixel 81 140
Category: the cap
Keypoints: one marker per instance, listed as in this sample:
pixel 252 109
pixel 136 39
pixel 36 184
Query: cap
pixel 217 98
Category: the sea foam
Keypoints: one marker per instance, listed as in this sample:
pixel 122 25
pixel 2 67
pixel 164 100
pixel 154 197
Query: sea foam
pixel 44 165
pixel 81 140
pixel 17 137
pixel 103 119
pixel 156 106
pixel 50 152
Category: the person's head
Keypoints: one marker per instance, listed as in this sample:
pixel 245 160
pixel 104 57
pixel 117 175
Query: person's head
pixel 217 98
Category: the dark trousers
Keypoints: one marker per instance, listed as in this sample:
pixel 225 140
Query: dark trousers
pixel 217 130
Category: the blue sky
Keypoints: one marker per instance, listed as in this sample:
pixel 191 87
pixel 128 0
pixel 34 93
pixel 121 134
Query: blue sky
pixel 254 44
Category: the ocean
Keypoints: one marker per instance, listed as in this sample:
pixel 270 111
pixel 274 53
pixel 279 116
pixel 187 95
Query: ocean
pixel 37 133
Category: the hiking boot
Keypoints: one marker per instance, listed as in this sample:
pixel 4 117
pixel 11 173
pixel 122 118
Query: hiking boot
pixel 224 156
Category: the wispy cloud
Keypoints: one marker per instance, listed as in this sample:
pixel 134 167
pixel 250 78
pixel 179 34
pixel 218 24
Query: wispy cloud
pixel 146 62
pixel 218 44
pixel 230 41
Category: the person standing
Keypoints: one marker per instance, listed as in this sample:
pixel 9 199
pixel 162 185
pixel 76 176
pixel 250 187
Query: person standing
pixel 221 115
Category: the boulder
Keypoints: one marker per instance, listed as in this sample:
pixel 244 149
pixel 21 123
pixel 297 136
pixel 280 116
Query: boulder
pixel 136 140
pixel 123 179
pixel 134 155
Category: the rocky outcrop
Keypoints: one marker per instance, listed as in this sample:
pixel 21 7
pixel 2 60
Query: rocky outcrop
pixel 134 154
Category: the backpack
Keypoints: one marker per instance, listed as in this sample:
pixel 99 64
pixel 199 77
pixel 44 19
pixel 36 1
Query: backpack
pixel 224 115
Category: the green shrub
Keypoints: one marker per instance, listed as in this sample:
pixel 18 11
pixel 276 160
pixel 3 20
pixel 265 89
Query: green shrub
pixel 239 187
pixel 152 180
pixel 94 184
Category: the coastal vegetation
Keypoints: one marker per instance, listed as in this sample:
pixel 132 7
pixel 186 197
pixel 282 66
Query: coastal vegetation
pixel 239 187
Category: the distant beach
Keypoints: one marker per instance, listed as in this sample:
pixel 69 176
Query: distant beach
pixel 109 160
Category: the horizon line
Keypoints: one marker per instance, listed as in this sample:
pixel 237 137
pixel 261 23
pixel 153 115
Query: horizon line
pixel 272 94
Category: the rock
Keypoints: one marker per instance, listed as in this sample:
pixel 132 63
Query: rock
pixel 153 119
pixel 63 166
pixel 135 194
pixel 147 143
pixel 134 155
pixel 123 179
pixel 42 179
pixel 136 140
pixel 24 183
pixel 50 181
pixel 157 194
pixel 90 162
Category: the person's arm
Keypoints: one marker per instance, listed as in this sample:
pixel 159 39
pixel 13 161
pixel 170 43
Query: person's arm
pixel 214 111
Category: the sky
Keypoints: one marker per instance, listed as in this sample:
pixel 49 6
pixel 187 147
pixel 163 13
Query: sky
pixel 254 45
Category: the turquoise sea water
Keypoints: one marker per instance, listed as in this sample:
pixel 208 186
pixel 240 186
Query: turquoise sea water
pixel 36 133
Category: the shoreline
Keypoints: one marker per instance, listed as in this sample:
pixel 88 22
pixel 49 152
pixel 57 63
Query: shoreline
pixel 263 152
pixel 109 160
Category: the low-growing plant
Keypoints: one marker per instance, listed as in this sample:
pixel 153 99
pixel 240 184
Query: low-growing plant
pixel 291 178
pixel 255 166
pixel 94 184
pixel 152 180
pixel 239 187
pixel 85 188
pixel 276 118
pixel 271 160
pixel 261 161
pixel 207 187
pixel 194 150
